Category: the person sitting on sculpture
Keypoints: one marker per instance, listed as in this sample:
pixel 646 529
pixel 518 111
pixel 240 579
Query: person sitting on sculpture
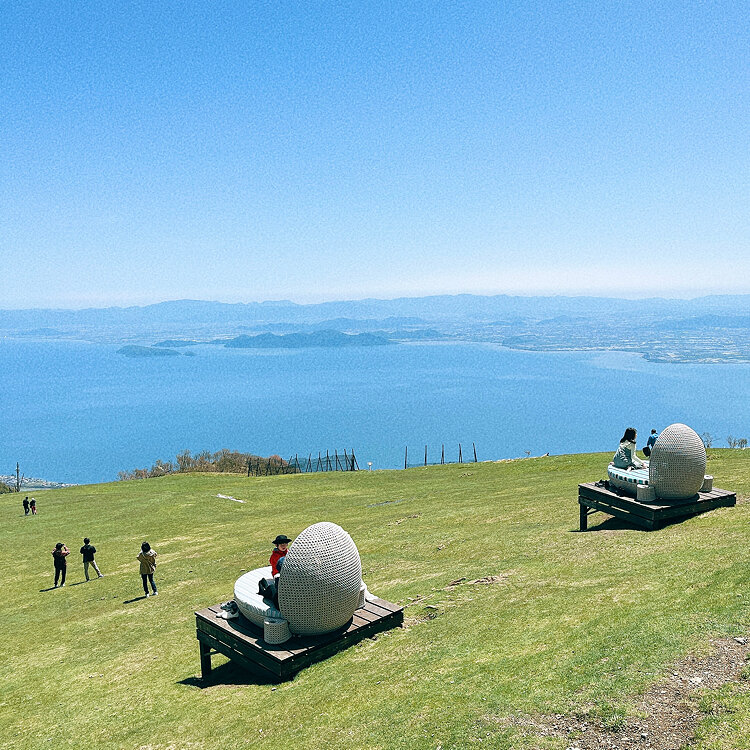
pixel 279 553
pixel 650 443
pixel 268 588
pixel 625 457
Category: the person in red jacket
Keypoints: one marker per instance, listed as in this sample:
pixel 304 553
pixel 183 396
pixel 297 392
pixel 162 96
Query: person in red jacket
pixel 279 553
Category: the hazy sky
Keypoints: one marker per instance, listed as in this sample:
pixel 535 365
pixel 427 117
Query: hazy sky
pixel 261 150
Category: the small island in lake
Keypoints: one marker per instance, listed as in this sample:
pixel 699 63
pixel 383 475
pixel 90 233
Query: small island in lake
pixel 133 350
pixel 333 339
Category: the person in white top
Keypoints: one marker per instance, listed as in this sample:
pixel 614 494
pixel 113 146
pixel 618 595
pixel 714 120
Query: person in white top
pixel 625 457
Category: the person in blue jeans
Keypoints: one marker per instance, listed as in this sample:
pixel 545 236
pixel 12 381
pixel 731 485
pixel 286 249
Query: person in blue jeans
pixel 147 559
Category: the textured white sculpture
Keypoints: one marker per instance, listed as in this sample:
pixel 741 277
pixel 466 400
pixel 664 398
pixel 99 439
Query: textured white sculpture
pixel 275 631
pixel 319 585
pixel 678 463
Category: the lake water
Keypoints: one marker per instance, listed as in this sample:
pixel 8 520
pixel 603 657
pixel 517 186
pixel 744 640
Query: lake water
pixel 80 412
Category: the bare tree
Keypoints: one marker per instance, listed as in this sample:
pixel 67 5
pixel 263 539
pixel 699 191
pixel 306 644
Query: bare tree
pixel 708 439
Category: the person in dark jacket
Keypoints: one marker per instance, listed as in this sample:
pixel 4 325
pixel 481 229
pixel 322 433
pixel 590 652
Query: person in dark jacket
pixel 147 559
pixel 88 551
pixel 650 443
pixel 59 558
pixel 26 505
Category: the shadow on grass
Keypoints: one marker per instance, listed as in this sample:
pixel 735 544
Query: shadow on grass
pixel 51 588
pixel 230 673
pixel 136 599
pixel 617 524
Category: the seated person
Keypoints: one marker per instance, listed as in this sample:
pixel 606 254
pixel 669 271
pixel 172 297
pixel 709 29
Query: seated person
pixel 279 553
pixel 625 457
pixel 269 588
pixel 650 443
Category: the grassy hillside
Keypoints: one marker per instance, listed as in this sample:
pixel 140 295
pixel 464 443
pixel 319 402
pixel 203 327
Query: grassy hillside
pixel 579 621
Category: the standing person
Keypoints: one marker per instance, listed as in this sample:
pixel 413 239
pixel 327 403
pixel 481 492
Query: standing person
pixel 650 443
pixel 59 555
pixel 32 505
pixel 147 559
pixel 26 505
pixel 88 551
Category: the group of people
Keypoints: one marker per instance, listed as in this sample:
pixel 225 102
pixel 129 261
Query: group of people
pixel 146 558
pixel 29 506
pixel 625 457
pixel 60 560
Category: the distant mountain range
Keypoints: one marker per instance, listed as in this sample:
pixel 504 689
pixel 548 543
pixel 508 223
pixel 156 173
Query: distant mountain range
pixel 713 328
pixel 375 313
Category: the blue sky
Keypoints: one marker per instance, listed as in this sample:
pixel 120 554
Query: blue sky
pixel 312 151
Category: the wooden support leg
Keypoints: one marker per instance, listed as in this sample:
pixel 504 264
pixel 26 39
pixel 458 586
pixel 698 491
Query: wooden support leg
pixel 205 652
pixel 583 513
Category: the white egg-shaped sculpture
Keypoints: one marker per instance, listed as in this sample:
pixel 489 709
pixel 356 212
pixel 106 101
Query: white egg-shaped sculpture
pixel 320 581
pixel 678 463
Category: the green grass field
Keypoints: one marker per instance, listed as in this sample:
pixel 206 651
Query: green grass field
pixel 581 621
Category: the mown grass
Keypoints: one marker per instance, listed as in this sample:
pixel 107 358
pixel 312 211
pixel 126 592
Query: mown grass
pixel 581 623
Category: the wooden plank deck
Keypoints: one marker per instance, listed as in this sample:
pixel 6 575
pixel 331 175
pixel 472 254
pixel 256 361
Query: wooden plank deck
pixel 592 498
pixel 242 641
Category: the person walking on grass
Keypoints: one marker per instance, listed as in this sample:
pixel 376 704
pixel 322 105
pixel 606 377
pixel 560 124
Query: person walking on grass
pixel 147 559
pixel 26 505
pixel 88 551
pixel 59 558
pixel 32 505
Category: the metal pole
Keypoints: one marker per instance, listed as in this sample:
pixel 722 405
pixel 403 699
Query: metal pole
pixel 425 455
pixel 475 452
pixel 406 455
pixel 460 458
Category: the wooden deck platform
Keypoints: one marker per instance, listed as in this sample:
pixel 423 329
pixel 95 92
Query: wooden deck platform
pixel 242 641
pixel 592 498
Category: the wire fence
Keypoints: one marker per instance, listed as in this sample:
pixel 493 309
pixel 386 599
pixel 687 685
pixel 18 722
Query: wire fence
pixel 470 456
pixel 344 461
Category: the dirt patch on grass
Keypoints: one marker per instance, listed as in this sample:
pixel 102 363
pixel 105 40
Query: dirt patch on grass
pixel 667 713
pixel 429 606
pixel 399 521
pixel 486 581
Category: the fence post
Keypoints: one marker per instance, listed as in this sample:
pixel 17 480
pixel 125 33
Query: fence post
pixel 425 455
pixel 475 452
pixel 355 463
pixel 460 457
pixel 406 455
pixel 442 454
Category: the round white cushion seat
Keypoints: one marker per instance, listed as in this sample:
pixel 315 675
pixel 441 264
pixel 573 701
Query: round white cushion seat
pixel 250 603
pixel 628 480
